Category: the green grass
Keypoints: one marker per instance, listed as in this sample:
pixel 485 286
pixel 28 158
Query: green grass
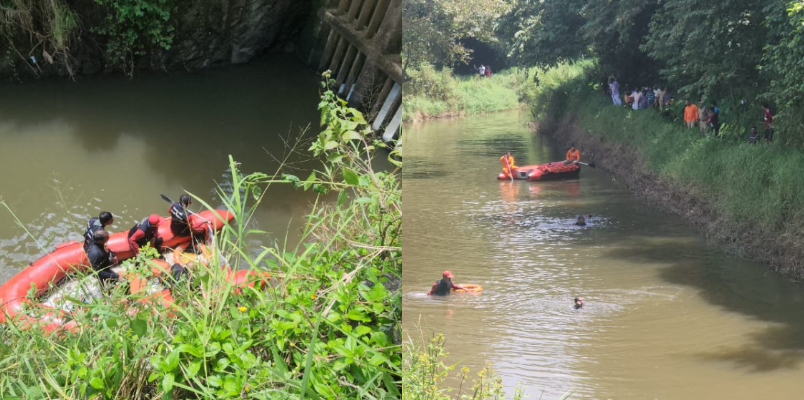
pixel 432 93
pixel 756 188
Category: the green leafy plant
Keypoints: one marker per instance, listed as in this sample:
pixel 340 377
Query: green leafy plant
pixel 132 28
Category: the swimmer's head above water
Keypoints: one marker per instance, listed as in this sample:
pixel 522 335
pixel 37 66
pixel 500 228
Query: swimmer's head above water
pixel 578 302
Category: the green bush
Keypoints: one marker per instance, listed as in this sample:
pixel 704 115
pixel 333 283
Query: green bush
pixel 426 373
pixel 132 28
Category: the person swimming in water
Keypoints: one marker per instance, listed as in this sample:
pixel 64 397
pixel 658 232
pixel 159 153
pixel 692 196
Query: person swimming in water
pixel 444 286
pixel 578 302
pixel 581 221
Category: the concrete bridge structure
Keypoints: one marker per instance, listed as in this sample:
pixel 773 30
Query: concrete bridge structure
pixel 360 41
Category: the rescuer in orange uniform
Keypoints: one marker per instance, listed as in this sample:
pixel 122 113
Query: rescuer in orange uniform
pixel 573 155
pixel 510 162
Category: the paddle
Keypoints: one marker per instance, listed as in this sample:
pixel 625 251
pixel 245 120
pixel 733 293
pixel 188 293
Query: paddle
pixel 589 164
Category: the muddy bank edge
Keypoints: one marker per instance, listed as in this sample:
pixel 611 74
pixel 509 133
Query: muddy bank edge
pixel 776 249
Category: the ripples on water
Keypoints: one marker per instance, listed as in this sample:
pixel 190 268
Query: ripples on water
pixel 665 316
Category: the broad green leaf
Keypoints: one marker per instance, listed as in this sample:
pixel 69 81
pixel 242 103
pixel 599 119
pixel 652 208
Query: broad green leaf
pixel 350 177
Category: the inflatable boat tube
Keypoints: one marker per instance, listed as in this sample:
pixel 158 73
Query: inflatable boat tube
pixel 542 172
pixel 70 257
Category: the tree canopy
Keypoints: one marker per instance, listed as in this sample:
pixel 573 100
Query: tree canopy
pixel 434 29
pixel 740 51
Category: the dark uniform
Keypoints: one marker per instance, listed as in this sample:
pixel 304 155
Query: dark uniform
pixel 442 287
pixel 93 225
pixel 101 261
pixel 179 224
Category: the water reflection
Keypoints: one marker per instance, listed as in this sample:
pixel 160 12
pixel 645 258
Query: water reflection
pixel 115 144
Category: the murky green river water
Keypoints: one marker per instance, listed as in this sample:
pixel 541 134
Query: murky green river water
pixel 666 316
pixel 71 149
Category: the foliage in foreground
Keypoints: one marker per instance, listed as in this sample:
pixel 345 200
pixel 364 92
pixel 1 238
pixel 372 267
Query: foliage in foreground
pixel 426 375
pixel 754 188
pixel 327 326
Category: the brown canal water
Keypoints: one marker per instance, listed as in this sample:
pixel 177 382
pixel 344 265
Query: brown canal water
pixel 666 316
pixel 71 149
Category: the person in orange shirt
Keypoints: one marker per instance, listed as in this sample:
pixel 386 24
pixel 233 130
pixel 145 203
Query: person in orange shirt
pixel 573 155
pixel 690 114
pixel 507 161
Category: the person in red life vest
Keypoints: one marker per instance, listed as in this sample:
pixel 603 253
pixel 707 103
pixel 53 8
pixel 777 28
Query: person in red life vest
pixel 444 286
pixel 573 155
pixel 144 232
pixel 508 164
pixel 104 219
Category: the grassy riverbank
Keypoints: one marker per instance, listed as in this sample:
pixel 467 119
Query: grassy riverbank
pixel 747 197
pixel 327 325
pixel 433 93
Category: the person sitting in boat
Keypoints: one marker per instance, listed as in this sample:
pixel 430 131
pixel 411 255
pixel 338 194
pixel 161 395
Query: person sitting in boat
pixel 101 258
pixel 507 161
pixel 573 155
pixel 104 219
pixel 444 286
pixel 146 231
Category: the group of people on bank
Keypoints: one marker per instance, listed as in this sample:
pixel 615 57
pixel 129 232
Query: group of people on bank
pixel 96 237
pixel 705 117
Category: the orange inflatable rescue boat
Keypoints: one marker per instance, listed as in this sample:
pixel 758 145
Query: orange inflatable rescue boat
pixel 541 172
pixel 69 257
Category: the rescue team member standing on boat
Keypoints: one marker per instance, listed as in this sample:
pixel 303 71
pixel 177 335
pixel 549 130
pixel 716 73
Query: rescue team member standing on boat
pixel 573 155
pixel 101 258
pixel 444 286
pixel 144 232
pixel 507 160
pixel 104 219
pixel 179 216
pixel 185 223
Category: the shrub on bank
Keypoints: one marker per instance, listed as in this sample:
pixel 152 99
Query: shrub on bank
pixel 426 374
pixel 327 325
